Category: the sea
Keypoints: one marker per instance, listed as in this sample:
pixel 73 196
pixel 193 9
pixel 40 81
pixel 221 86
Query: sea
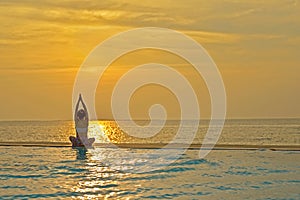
pixel 252 159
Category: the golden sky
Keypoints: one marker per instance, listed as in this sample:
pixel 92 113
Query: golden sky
pixel 255 44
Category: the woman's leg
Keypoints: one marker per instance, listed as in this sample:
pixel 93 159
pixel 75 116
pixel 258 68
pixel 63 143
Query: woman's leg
pixel 91 141
pixel 83 138
pixel 73 140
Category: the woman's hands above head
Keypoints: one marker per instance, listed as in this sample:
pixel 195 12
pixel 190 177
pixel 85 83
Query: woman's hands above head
pixel 80 98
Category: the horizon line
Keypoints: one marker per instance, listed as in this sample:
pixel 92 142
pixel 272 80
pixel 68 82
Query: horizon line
pixel 142 119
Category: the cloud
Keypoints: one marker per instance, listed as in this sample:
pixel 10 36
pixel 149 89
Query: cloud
pixel 213 37
pixel 226 17
pixel 56 25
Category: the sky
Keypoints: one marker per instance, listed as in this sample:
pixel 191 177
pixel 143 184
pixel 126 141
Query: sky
pixel 255 45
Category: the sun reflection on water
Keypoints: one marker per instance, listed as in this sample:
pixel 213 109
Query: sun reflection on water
pixel 98 180
pixel 107 132
pixel 110 132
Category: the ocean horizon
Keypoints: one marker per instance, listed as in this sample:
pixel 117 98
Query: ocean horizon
pixel 235 132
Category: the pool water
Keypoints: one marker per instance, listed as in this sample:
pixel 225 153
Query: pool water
pixel 59 173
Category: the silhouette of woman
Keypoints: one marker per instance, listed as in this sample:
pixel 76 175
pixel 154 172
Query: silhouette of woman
pixel 81 118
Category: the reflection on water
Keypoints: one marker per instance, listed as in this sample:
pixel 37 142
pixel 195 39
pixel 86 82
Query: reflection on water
pixel 64 173
pixel 98 180
pixel 81 153
pixel 109 131
pixel 239 132
pixel 248 131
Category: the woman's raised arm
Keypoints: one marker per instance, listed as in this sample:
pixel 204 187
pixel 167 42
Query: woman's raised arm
pixel 77 106
pixel 85 109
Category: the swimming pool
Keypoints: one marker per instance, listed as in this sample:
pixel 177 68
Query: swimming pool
pixel 57 173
